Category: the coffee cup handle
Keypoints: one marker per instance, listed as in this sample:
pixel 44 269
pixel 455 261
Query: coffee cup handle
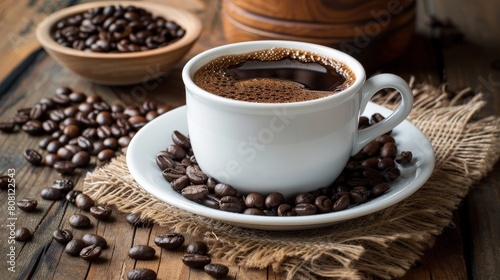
pixel 372 86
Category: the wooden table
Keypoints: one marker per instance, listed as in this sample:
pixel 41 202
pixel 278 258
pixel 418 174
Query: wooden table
pixel 467 248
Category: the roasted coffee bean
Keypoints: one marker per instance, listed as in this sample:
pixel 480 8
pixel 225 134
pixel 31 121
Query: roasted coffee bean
pixel 165 160
pixel 180 183
pixel 216 271
pixel 101 212
pixel 196 261
pixel 64 154
pixel 363 122
pixel 372 174
pixel 141 274
pixel 37 112
pixel 71 131
pixel 231 204
pixel 4 182
pixel 63 91
pixel 135 220
pixel 391 174
pixel 45 142
pixel 171 174
pixel 304 198
pixel 97 147
pixel 195 192
pixel 178 152
pixel 341 203
pixel 74 247
pixel 94 239
pixel 21 119
pixel 62 236
pixel 376 118
pixel 79 221
pixel 388 150
pixel 286 210
pixel 62 100
pixel 49 126
pixel 254 211
pixel 77 97
pixel 64 185
pixel 54 146
pixel 81 159
pixel 370 163
pixel 382 139
pixel 386 163
pixel 304 209
pixel 222 190
pixel 209 201
pixel 195 175
pixel 124 141
pixel 22 234
pixel 274 200
pixel 197 247
pixel 84 202
pixel 169 241
pixel 106 155
pixel 254 200
pixel 71 196
pixel 323 204
pixel 50 159
pixel 27 205
pixel 141 252
pixel 379 189
pixel 64 167
pixel 110 143
pixel 91 253
pixel 181 140
pixel 404 157
pixel 371 149
pixel 70 111
pixel 33 157
pixel 33 127
pixel 7 127
pixel 51 194
pixel 211 183
pixel 359 194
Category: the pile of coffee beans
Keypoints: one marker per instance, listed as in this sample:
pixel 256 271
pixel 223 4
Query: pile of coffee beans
pixel 366 176
pixel 77 128
pixel 116 29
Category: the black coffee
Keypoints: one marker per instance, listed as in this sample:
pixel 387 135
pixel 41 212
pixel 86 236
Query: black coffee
pixel 276 75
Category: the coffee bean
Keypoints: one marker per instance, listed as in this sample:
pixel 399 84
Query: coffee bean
pixel 64 167
pixel 4 182
pixel 286 210
pixel 195 192
pixel 254 200
pixel 385 163
pixel 274 200
pixel 359 194
pixel 141 252
pixel 141 274
pixel 169 241
pixel 254 211
pixel 379 189
pixel 77 97
pixel 216 271
pixel 371 149
pixel 50 159
pixel 22 234
pixel 7 127
pixel 79 221
pixel 404 157
pixel 382 139
pixel 106 155
pixel 135 220
pixel 91 253
pixel 84 202
pixel 165 160
pixel 195 175
pixel 231 204
pixel 391 174
pixel 171 174
pixel 53 146
pixel 222 190
pixel 196 261
pixel 197 247
pixel 341 203
pixel 64 185
pixel 180 183
pixel 388 150
pixel 51 194
pixel 62 236
pixel 181 140
pixel 81 159
pixel 304 198
pixel 323 204
pixel 71 196
pixel 101 212
pixel 94 239
pixel 33 127
pixel 74 247
pixel 177 151
pixel 33 157
pixel 27 205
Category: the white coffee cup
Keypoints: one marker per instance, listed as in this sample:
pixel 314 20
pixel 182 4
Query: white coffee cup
pixel 283 147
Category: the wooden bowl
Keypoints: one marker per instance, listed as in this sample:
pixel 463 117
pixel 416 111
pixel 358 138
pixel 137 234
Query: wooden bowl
pixel 121 68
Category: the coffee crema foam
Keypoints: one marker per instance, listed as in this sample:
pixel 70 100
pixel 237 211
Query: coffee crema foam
pixel 217 77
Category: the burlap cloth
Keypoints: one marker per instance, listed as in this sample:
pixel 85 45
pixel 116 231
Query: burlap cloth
pixel 383 244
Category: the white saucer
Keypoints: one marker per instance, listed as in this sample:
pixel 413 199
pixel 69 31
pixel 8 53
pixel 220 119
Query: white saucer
pixel 156 136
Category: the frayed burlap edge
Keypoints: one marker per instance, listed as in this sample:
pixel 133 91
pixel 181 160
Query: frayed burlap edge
pixel 383 244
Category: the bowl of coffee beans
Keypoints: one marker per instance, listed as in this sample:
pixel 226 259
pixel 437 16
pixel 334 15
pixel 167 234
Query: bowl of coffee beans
pixel 118 43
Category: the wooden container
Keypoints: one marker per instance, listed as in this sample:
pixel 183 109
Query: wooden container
pixel 374 31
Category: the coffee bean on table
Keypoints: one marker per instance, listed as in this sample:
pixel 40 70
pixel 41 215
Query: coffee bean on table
pixel 7 127
pixel 101 212
pixel 169 241
pixel 135 220
pixel 71 196
pixel 94 239
pixel 91 253
pixel 197 247
pixel 81 159
pixel 33 157
pixel 216 270
pixel 141 274
pixel 141 252
pixel 33 127
pixel 64 167
pixel 51 194
pixel 84 202
pixel 64 185
pixel 106 154
pixel 62 236
pixel 27 205
pixel 196 261
pixel 22 234
pixel 74 247
pixel 79 221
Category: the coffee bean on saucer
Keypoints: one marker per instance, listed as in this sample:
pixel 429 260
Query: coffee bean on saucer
pixel 359 194
pixel 254 200
pixel 323 204
pixel 274 200
pixel 33 157
pixel 27 205
pixel 84 202
pixel 51 194
pixel 341 203
pixel 217 271
pixel 379 189
pixel 195 175
pixel 101 212
pixel 254 211
pixel 141 274
pixel 231 204
pixel 181 140
pixel 286 210
pixel 169 241
pixel 195 192
pixel 305 209
pixel 74 247
pixel 22 234
pixel 196 261
pixel 141 252
pixel 197 247
pixel 79 221
pixel 222 190
pixel 62 236
pixel 91 253
pixel 404 157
